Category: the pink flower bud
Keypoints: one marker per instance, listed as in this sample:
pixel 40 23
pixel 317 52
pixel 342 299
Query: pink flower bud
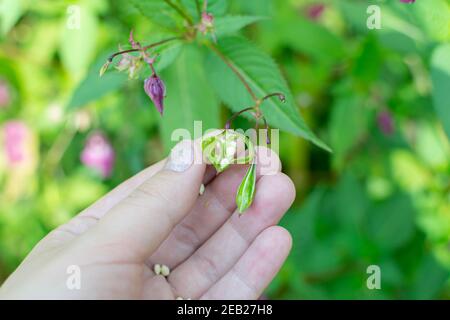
pixel 155 89
pixel 98 154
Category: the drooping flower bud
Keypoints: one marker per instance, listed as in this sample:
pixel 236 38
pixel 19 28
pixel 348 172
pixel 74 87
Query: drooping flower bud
pixel 154 87
pixel 98 154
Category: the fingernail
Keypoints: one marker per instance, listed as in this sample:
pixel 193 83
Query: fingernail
pixel 181 157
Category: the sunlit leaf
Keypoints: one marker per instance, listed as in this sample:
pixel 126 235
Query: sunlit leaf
pixel 264 77
pixel 440 75
pixel 189 98
pixel 231 24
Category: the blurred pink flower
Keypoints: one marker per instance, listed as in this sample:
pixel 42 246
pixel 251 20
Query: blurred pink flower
pixel 15 136
pixel 98 154
pixel 385 122
pixel 4 94
pixel 314 11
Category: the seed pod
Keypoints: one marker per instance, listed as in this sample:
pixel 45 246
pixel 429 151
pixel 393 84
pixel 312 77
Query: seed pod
pixel 246 191
pixel 221 149
pixel 104 67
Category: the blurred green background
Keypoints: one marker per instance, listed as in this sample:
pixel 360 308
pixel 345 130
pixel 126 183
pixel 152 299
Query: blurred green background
pixel 379 98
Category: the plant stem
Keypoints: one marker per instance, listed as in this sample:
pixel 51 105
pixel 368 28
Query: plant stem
pixel 236 71
pixel 278 94
pixel 180 12
pixel 199 11
pixel 228 124
pixel 143 48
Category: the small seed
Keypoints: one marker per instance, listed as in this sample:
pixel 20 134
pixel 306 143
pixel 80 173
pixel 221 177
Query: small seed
pixel 157 269
pixel 202 189
pixel 165 271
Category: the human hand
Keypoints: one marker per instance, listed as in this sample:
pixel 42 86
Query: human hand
pixel 158 217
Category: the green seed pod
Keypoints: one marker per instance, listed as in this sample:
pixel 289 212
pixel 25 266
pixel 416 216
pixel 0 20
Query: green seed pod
pixel 221 149
pixel 246 191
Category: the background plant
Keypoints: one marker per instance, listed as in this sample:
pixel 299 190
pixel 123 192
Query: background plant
pixel 378 98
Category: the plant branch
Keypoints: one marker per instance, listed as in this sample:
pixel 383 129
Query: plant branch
pixel 180 12
pixel 228 124
pixel 143 48
pixel 280 96
pixel 236 71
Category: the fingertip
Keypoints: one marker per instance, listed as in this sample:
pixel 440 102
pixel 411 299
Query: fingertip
pixel 268 161
pixel 281 236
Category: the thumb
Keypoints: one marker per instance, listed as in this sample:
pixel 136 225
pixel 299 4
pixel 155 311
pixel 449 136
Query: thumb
pixel 141 221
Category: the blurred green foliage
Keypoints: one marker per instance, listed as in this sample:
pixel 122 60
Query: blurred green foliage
pixel 378 98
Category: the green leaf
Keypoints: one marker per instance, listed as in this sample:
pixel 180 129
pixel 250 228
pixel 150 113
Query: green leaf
pixel 189 97
pixel 440 75
pixel 216 7
pixel 158 11
pixel 397 31
pixel 77 47
pixel 430 279
pixel 434 16
pixel 264 77
pixel 231 24
pixel 348 124
pixel 93 87
pixel 167 54
pixel 310 38
pixel 391 222
pixel 10 12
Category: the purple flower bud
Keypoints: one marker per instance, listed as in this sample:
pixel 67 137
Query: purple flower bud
pixel 155 89
pixel 98 154
pixel 315 11
pixel 4 94
pixel 385 122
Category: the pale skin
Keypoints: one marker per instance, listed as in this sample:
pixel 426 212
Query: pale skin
pixel 158 217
